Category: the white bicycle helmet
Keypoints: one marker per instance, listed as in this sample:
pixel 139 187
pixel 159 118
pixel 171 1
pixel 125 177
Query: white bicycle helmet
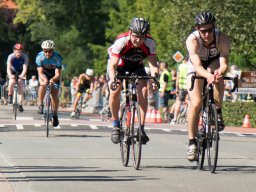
pixel 47 44
pixel 89 72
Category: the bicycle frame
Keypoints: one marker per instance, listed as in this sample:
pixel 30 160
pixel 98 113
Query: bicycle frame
pixel 48 108
pixel 16 90
pixel 130 132
pixel 208 136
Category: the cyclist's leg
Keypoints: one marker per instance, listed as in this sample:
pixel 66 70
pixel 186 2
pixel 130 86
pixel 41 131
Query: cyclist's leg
pixel 195 102
pixel 55 104
pixel 41 95
pixel 20 95
pixel 10 89
pixel 114 104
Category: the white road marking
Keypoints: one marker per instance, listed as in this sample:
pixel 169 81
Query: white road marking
pixel 19 127
pixel 74 125
pixel 37 125
pixel 24 118
pixel 167 130
pixel 2 126
pixel 93 127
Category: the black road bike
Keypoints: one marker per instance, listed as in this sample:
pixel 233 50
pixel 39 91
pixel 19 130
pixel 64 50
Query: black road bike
pixel 48 108
pixel 15 105
pixel 130 119
pixel 208 136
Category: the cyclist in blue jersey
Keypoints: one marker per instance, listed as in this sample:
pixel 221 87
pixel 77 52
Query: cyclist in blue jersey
pixel 17 63
pixel 49 63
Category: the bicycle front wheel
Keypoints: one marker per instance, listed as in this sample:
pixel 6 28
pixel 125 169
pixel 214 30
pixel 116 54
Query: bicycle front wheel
pixel 136 136
pixel 201 147
pixel 15 104
pixel 48 116
pixel 212 138
pixel 125 120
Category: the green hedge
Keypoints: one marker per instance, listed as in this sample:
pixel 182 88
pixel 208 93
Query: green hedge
pixel 234 113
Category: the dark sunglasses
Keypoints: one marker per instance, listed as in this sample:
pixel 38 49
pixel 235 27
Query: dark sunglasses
pixel 138 36
pixel 48 51
pixel 210 30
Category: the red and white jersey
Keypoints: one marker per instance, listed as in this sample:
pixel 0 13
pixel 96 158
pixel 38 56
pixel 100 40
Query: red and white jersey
pixel 129 55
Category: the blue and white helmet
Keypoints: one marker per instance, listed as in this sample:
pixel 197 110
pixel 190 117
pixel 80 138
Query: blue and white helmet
pixel 47 44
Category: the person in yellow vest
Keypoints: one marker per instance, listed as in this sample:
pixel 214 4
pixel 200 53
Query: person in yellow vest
pixel 165 88
pixel 181 88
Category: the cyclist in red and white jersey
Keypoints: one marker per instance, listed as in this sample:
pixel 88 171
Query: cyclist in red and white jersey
pixel 127 54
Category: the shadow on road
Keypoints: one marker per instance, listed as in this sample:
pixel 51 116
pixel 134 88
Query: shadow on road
pixel 235 168
pixel 63 177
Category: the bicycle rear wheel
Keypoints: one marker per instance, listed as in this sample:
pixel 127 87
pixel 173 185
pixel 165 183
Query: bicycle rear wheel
pixel 136 136
pixel 212 138
pixel 125 120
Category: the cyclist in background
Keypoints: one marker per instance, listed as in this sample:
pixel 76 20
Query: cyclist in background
pixel 17 63
pixel 207 48
pixel 49 63
pixel 127 54
pixel 181 88
pixel 84 84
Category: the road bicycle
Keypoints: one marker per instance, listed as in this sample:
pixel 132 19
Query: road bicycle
pixel 130 119
pixel 15 105
pixel 208 136
pixel 48 108
pixel 79 107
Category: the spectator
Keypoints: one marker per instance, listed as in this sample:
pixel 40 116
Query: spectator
pixel 73 88
pixel 33 87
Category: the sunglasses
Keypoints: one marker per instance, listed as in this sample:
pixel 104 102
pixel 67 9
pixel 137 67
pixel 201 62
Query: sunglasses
pixel 210 30
pixel 138 36
pixel 48 51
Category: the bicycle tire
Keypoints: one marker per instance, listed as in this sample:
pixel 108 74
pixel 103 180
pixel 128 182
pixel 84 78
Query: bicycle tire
pixel 48 115
pixel 77 114
pixel 136 136
pixel 15 105
pixel 125 134
pixel 212 138
pixel 201 148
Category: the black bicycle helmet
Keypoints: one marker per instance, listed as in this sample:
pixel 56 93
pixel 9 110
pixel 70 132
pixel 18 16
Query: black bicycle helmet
pixel 139 26
pixel 204 18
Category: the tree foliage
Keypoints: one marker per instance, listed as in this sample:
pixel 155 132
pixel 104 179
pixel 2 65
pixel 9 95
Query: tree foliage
pixel 83 29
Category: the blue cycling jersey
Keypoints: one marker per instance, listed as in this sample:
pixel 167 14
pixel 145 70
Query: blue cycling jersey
pixel 50 64
pixel 17 63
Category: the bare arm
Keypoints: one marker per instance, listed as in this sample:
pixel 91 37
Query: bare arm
pixel 41 75
pixel 152 60
pixel 224 53
pixel 112 67
pixel 56 76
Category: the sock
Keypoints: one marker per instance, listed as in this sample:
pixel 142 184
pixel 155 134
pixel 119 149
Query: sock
pixel 116 123
pixel 191 141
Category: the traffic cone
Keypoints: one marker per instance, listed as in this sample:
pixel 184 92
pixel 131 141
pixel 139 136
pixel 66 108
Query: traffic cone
pixel 153 116
pixel 148 116
pixel 158 117
pixel 246 123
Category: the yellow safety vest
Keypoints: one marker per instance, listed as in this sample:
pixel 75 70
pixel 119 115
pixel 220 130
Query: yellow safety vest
pixel 183 71
pixel 169 83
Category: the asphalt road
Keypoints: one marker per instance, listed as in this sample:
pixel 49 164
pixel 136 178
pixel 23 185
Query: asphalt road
pixel 80 157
